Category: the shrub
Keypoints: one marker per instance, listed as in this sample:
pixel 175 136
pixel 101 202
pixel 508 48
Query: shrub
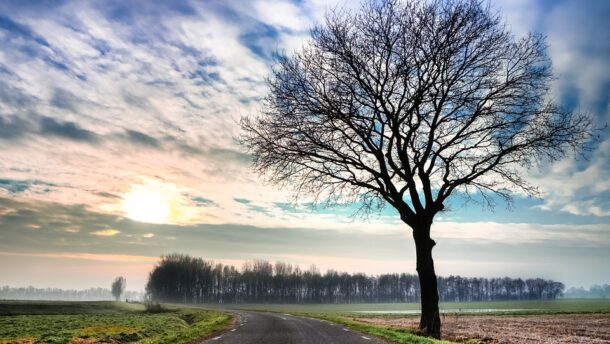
pixel 153 307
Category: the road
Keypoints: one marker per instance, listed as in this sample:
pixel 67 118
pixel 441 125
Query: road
pixel 273 328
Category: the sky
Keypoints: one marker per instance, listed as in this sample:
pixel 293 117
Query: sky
pixel 118 127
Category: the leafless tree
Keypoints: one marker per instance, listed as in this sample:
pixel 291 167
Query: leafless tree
pixel 409 103
pixel 182 278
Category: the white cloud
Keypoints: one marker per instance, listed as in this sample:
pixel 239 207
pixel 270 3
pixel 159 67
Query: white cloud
pixel 281 13
pixel 579 51
pixel 520 233
pixel 520 15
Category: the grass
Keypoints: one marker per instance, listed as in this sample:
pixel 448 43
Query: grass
pixel 563 306
pixel 66 307
pixel 104 322
pixel 393 334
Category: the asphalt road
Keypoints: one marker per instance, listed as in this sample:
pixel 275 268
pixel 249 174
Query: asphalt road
pixel 272 328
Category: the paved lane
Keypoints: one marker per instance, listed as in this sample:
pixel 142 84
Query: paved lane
pixel 272 328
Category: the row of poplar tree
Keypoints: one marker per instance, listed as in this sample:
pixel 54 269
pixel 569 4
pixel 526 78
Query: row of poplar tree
pixel 182 278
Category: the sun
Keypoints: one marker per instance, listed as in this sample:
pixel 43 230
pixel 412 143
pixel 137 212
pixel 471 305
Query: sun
pixel 147 203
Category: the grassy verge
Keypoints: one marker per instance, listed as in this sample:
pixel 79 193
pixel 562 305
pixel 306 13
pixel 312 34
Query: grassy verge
pixel 393 334
pixel 104 322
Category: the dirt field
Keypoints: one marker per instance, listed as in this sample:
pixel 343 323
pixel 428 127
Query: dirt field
pixel 578 328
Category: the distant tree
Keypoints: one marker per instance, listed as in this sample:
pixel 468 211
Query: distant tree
pixel 118 287
pixel 409 103
pixel 91 294
pixel 595 291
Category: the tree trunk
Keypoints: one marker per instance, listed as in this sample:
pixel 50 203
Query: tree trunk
pixel 430 321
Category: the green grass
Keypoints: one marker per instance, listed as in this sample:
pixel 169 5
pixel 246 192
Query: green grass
pixel 108 322
pixel 567 306
pixel 393 334
pixel 66 307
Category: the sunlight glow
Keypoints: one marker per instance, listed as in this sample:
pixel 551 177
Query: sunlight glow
pixel 152 200
pixel 147 203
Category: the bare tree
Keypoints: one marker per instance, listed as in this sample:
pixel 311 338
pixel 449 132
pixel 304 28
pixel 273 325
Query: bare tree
pixel 182 278
pixel 118 287
pixel 408 104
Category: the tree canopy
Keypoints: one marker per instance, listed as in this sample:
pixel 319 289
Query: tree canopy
pixel 407 102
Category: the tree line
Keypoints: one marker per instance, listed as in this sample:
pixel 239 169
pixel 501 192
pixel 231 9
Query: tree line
pixel 92 294
pixel 594 292
pixel 182 278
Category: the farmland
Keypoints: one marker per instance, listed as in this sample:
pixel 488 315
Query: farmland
pixel 565 306
pixel 538 328
pixel 553 321
pixel 103 322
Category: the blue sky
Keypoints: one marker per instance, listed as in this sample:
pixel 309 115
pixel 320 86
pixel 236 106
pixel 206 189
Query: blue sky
pixel 118 122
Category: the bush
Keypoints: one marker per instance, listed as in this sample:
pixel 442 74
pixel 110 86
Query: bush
pixel 154 307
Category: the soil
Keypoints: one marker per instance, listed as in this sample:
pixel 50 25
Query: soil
pixel 496 329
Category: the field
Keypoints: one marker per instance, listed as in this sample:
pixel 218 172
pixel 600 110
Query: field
pixel 103 322
pixel 569 306
pixel 560 321
pixel 542 328
pixel 556 321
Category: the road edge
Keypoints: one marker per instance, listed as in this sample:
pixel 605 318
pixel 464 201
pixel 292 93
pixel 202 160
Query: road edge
pixel 235 323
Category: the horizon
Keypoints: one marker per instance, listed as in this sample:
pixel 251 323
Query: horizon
pixel 117 130
pixel 302 268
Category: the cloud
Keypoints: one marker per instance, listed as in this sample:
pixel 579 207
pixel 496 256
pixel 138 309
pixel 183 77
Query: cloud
pixel 142 139
pixel 63 99
pixel 261 40
pixel 28 45
pixel 19 30
pixel 106 232
pixel 19 186
pixel 284 14
pixel 14 186
pixel 522 233
pixel 68 130
pixel 588 208
pixel 230 154
pixel 12 127
pixel 13 97
pixel 482 245
pixel 85 256
pixel 579 46
pixel 203 202
pixel 181 79
pixel 180 85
